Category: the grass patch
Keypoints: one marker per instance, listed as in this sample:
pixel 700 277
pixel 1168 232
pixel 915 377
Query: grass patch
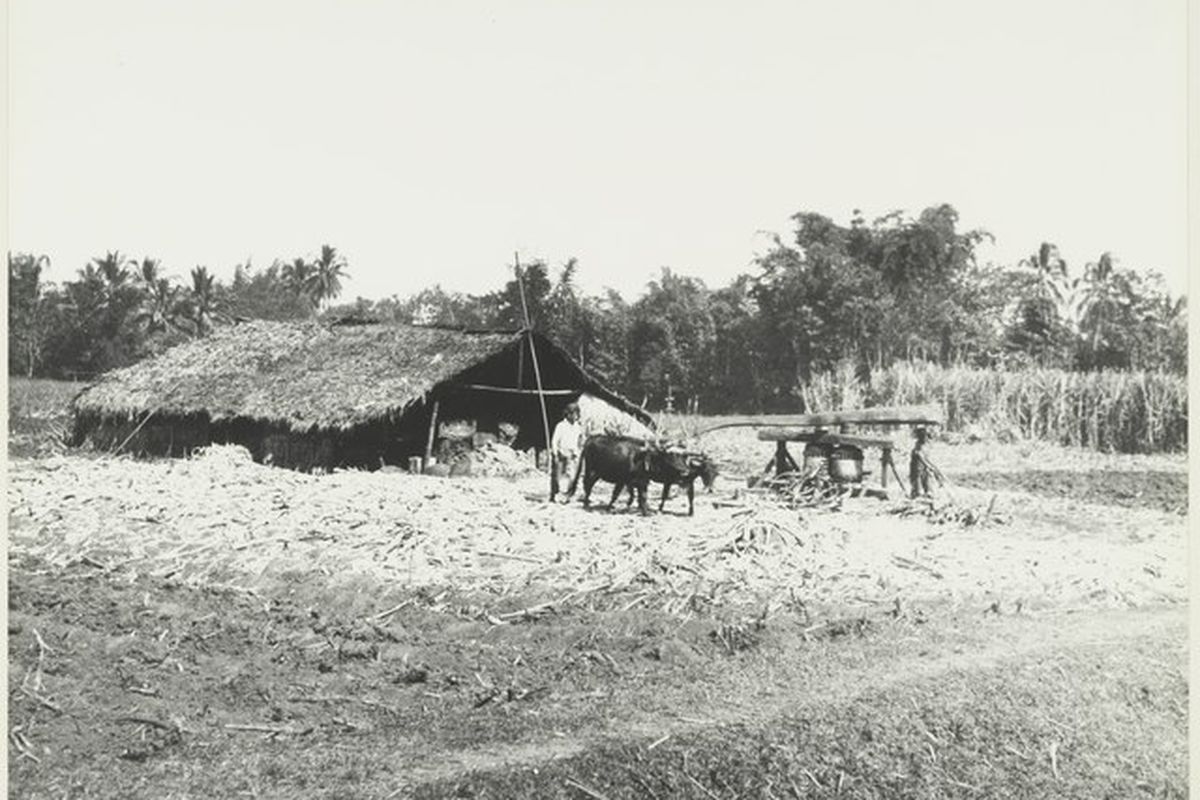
pixel 1074 725
pixel 33 398
pixel 39 416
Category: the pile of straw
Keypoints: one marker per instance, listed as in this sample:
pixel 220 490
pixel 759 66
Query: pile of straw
pixel 501 461
pixel 812 489
pixel 596 416
pixel 941 512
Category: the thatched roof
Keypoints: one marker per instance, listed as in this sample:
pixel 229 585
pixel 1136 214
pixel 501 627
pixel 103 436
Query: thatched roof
pixel 308 376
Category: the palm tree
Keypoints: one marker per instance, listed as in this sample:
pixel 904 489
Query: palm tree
pixel 298 276
pixel 105 292
pixel 1109 305
pixel 1099 291
pixel 1067 295
pixel 328 271
pixel 161 307
pixel 111 267
pixel 149 271
pixel 111 270
pixel 27 300
pixel 202 300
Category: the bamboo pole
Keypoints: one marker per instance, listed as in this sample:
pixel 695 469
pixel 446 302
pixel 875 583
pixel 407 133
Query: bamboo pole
pixel 140 425
pixel 521 366
pixel 479 387
pixel 432 433
pixel 537 372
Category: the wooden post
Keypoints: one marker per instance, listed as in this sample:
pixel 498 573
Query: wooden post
pixel 783 461
pixel 883 466
pixel 537 376
pixel 521 365
pixel 145 419
pixel 432 433
pixel 537 372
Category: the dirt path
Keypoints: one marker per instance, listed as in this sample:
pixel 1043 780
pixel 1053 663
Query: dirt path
pixel 757 692
pixel 1157 489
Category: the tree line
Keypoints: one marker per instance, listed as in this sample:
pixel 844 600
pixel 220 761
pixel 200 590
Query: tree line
pixel 861 296
pixel 118 310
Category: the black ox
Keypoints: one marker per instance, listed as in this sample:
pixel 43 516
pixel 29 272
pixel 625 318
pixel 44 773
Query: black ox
pixel 679 468
pixel 620 460
pixel 631 464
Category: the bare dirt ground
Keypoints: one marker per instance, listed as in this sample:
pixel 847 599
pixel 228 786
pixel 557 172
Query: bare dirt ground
pixel 1166 491
pixel 139 688
pixel 216 628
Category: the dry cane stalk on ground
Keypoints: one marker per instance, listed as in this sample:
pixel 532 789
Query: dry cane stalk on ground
pixel 486 535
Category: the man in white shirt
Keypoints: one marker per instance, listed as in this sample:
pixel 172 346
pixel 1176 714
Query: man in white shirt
pixel 565 445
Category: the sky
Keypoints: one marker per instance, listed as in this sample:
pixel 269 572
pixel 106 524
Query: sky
pixel 430 141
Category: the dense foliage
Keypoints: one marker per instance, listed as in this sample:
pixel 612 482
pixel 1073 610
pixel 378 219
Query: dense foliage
pixel 117 310
pixel 855 299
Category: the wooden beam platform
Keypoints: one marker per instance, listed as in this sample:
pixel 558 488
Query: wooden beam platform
pixel 801 435
pixel 893 415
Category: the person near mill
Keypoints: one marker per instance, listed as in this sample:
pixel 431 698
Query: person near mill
pixel 564 450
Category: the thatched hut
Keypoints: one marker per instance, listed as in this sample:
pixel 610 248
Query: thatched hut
pixel 306 395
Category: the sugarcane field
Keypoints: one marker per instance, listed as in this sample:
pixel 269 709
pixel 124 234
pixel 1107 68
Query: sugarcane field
pixel 212 621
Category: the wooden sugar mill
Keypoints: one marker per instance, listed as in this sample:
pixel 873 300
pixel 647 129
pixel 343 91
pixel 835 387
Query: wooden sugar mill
pixel 831 444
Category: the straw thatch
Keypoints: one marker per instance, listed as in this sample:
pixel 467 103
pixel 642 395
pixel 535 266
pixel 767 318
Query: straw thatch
pixel 283 388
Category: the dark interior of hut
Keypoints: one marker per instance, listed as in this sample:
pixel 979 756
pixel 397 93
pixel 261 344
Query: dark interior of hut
pixel 503 391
